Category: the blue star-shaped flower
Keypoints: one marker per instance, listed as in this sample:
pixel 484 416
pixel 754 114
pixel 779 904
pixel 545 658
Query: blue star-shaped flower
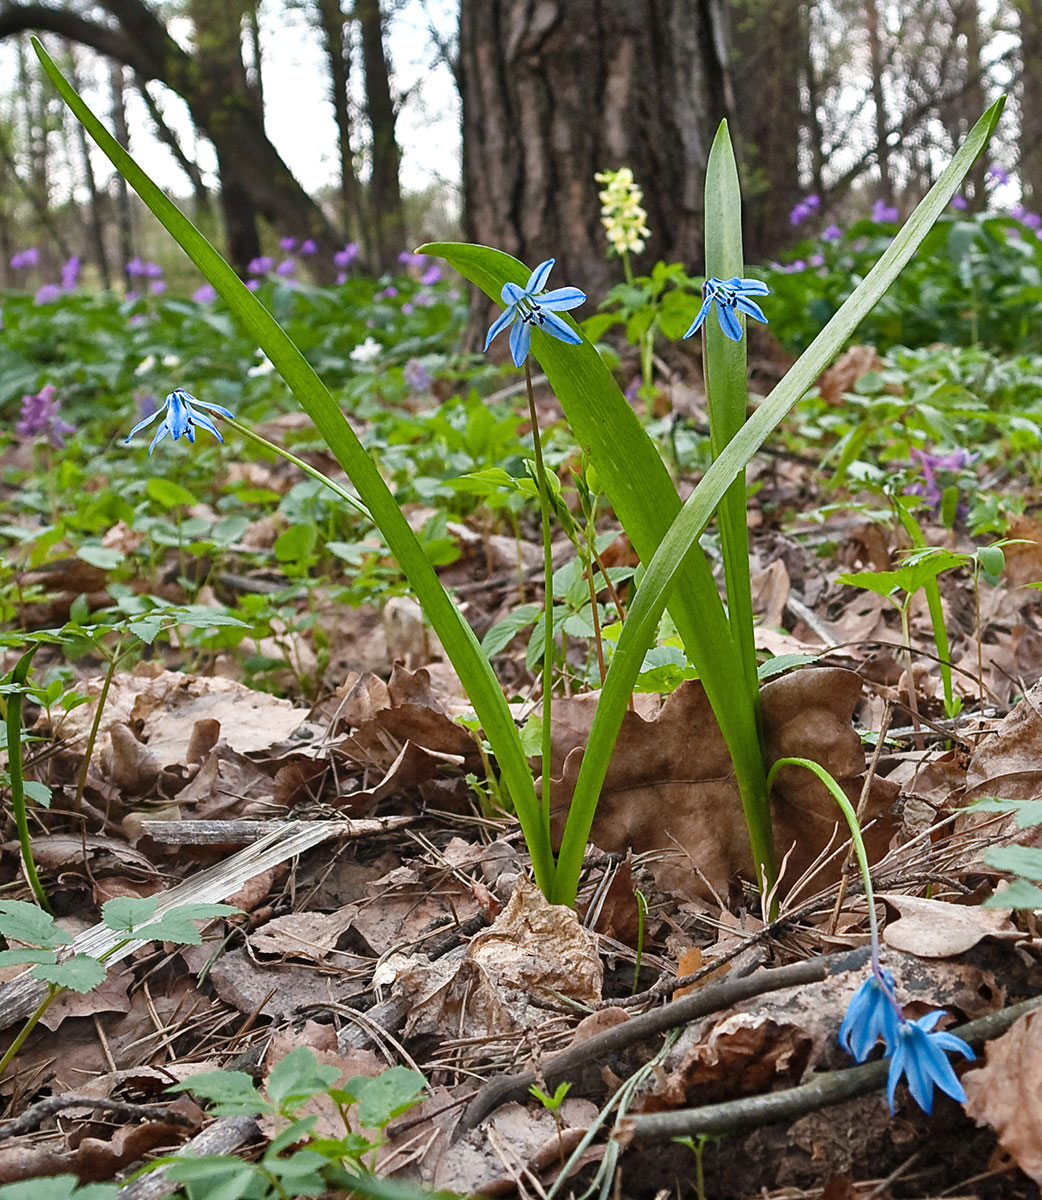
pixel 533 306
pixel 181 418
pixel 728 295
pixel 872 1014
pixel 920 1055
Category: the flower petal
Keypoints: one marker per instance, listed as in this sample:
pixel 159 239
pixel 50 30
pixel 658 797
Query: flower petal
pixel 750 308
pixel 552 324
pixel 217 408
pixel 561 299
pixel 537 280
pixel 141 424
pixel 511 293
pixel 161 433
pixel 703 312
pixel 203 420
pixel 729 323
pixel 520 341
pixel 499 324
pixel 750 287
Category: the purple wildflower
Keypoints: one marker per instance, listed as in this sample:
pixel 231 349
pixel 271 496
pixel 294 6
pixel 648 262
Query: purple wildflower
pixel 288 244
pixel 70 273
pixel 883 213
pixel 309 246
pixel 344 258
pixel 260 265
pixel 47 294
pixel 408 259
pixel 794 268
pixel 417 376
pixel 431 276
pixel 999 174
pixel 135 266
pixel 40 415
pixel 832 234
pixel 929 488
pixel 806 208
pixel 252 284
pixel 387 294
pixel 960 202
pixel 157 287
pixel 26 258
pixel 205 294
pixel 152 270
pixel 287 268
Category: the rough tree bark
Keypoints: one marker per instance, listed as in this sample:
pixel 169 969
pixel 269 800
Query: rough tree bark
pixel 387 217
pixel 1029 13
pixel 770 42
pixel 331 22
pixel 140 40
pixel 554 91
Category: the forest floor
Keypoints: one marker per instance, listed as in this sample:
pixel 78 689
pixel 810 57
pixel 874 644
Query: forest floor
pixel 386 917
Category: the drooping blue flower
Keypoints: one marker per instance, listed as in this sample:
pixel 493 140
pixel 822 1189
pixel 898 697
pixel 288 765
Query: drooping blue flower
pixel 920 1056
pixel 872 1014
pixel 532 306
pixel 181 418
pixel 729 295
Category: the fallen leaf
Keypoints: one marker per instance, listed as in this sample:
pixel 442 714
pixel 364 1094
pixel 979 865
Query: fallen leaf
pixel 935 929
pixel 533 950
pixel 853 364
pixel 307 935
pixel 670 790
pixel 1006 1093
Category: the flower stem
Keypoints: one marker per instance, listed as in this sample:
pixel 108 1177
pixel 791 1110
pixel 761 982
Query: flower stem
pixel 306 467
pixel 28 1027
pixel 548 599
pixel 858 841
pixel 17 779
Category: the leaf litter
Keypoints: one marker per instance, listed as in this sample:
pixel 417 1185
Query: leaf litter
pixel 419 941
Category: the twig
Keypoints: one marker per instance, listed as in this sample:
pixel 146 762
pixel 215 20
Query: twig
pixel 712 998
pixel 36 1114
pixel 222 1137
pixel 823 1090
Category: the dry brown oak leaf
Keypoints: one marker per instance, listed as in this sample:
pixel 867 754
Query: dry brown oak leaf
pixel 670 789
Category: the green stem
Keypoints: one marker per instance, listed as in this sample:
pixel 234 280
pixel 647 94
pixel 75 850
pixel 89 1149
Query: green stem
pixel 15 771
pixel 306 467
pixel 858 841
pixel 92 737
pixel 19 1040
pixel 548 602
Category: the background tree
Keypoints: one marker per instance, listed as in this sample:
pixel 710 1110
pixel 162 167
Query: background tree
pixel 554 92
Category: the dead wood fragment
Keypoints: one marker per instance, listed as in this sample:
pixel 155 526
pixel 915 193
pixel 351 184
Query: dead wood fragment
pixel 712 998
pixel 37 1113
pixel 749 1112
pixel 241 833
pixel 222 1137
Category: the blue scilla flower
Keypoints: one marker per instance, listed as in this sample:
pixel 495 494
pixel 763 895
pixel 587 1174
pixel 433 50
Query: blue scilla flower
pixel 533 305
pixel 729 295
pixel 920 1055
pixel 180 418
pixel 872 1014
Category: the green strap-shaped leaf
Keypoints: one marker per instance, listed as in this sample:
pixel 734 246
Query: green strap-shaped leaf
pixel 455 634
pixel 663 572
pixel 636 481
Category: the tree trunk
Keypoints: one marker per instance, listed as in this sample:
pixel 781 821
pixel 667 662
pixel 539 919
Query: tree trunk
pixel 124 221
pixel 140 40
pixel 96 219
pixel 878 66
pixel 1030 14
pixel 556 91
pixel 331 22
pixel 387 218
pixel 769 39
pixel 169 139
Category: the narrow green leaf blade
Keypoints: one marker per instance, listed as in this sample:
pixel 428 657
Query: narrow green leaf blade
pixel 456 636
pixel 664 571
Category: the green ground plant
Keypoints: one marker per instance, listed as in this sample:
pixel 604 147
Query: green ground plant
pixel 719 642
